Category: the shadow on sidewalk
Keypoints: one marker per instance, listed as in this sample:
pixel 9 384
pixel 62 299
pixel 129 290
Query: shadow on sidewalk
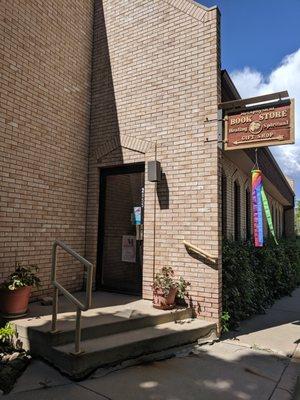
pixel 281 321
pixel 223 371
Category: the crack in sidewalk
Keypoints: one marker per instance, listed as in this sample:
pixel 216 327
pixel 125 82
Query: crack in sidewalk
pixel 94 391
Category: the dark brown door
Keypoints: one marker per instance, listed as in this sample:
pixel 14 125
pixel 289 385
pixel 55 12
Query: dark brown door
pixel 120 244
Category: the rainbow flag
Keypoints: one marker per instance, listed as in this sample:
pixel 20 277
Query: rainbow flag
pixel 258 228
pixel 260 201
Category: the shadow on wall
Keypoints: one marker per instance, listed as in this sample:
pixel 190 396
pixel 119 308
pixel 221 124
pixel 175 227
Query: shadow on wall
pixel 104 126
pixel 163 192
pixel 104 115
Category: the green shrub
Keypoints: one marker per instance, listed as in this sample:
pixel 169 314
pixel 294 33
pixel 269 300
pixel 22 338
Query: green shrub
pixel 7 333
pixel 225 324
pixel 253 278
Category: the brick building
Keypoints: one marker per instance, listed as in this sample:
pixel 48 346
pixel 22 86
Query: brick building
pixel 92 91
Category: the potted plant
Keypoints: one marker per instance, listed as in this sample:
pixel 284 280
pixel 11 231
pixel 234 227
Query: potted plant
pixel 166 289
pixel 182 293
pixel 15 291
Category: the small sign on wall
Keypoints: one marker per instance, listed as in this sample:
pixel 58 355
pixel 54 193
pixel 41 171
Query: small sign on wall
pixel 137 215
pixel 129 248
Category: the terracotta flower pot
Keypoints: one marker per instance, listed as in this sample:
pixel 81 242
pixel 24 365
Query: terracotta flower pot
pixel 164 302
pixel 14 303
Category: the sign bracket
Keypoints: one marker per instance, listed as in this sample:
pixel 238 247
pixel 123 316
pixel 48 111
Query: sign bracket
pixel 234 104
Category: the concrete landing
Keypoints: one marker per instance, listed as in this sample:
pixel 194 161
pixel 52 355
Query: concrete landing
pixel 105 306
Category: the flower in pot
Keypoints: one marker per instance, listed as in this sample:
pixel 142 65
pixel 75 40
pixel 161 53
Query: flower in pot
pixel 166 289
pixel 15 291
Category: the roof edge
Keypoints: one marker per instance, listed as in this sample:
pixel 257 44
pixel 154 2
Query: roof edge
pixel 193 8
pixel 201 5
pixel 231 85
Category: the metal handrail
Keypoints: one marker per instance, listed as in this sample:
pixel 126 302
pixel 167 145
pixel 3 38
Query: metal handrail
pixel 58 287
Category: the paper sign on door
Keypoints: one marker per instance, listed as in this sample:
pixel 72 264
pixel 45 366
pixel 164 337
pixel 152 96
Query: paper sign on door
pixel 129 248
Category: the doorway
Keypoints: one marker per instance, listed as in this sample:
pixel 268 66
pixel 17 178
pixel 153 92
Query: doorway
pixel 120 241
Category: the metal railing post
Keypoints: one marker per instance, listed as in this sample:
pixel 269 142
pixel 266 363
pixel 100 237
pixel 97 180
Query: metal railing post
pixel 55 290
pixel 54 310
pixel 58 287
pixel 78 331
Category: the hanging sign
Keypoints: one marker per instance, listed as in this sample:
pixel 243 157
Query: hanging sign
pixel 260 126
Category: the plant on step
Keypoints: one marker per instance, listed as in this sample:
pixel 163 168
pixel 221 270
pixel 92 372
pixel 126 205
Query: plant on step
pixel 15 290
pixel 7 333
pixel 166 288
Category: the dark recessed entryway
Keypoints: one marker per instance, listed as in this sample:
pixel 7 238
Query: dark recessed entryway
pixel 120 241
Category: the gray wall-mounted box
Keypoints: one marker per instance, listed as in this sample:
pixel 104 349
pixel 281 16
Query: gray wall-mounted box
pixel 154 171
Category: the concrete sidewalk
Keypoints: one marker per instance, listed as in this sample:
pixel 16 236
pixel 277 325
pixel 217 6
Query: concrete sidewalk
pixel 260 362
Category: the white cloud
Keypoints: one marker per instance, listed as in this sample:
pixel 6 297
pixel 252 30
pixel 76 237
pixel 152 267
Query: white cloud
pixel 286 76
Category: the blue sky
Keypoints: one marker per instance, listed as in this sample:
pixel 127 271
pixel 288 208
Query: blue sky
pixel 261 51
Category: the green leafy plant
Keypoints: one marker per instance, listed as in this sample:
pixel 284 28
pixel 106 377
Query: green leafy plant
pixel 165 280
pixel 225 318
pixel 253 278
pixel 21 277
pixel 7 333
pixel 182 286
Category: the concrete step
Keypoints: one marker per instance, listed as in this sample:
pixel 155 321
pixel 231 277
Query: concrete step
pixel 113 349
pixel 116 329
pixel 34 335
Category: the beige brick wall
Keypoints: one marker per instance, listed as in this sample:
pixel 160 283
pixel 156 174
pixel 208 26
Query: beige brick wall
pixel 153 95
pixel 289 222
pixel 45 64
pixel 155 81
